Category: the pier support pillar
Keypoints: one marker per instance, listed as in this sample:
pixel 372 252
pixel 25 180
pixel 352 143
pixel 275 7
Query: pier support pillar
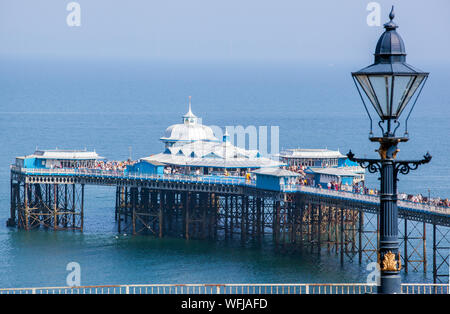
pixel 82 208
pixel 11 222
pixel 186 210
pixel 360 235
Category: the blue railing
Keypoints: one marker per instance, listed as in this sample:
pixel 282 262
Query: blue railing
pixel 209 179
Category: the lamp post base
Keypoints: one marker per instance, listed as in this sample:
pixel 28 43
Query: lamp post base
pixel 390 284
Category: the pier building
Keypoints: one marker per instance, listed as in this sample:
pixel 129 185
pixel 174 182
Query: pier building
pixel 49 159
pixel 322 166
pixel 145 167
pixel 340 176
pixel 192 148
pixel 274 179
pixel 312 157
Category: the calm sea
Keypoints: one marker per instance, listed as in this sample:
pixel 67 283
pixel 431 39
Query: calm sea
pixel 112 105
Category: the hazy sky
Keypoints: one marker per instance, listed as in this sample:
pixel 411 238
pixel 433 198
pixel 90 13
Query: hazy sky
pixel 327 31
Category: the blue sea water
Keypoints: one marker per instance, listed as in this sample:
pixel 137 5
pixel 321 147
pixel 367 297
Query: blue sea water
pixel 110 105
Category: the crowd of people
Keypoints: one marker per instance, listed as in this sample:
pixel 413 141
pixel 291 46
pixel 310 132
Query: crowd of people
pixel 173 170
pixel 419 198
pixel 360 188
pixel 113 165
pixel 298 169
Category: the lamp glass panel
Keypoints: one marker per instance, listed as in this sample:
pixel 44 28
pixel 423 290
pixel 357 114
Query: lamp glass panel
pixel 382 88
pixel 412 86
pixel 402 84
pixel 363 80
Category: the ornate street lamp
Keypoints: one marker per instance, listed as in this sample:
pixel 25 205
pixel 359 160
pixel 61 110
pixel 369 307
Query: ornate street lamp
pixel 389 84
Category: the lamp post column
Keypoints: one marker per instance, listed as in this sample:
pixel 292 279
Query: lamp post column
pixel 389 256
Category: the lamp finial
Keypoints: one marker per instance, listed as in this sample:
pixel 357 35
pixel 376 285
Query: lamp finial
pixel 392 14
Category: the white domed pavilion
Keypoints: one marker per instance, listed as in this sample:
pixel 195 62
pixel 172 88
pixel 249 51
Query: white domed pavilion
pixel 191 130
pixel 192 145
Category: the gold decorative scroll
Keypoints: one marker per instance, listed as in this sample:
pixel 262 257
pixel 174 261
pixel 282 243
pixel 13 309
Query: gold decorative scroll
pixel 389 263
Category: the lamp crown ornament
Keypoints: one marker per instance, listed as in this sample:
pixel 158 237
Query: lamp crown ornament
pixel 392 14
pixel 391 24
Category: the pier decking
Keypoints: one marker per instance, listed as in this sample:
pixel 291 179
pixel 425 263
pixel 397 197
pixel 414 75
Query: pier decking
pixel 106 177
pixel 210 206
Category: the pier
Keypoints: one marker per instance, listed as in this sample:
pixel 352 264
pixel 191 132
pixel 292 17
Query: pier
pixel 297 217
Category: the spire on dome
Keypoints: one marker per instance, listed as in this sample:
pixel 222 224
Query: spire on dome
pixel 189 117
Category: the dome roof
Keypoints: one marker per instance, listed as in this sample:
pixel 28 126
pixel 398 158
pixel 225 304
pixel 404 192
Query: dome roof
pixel 190 130
pixel 188 133
pixel 390 43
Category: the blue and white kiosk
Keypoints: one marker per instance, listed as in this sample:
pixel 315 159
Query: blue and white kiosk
pixel 145 167
pixel 53 159
pixel 323 176
pixel 274 179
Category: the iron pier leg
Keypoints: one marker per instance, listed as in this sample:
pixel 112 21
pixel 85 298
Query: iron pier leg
pixel 277 224
pixel 12 220
pixel 342 235
pixel 161 215
pixel 65 205
pixel 82 208
pixel 238 212
pixel 74 200
pixel 434 254
pixel 26 206
pixel 217 209
pixel 262 218
pixel 119 214
pixel 231 217
pixel 55 207
pixel 133 192
pixel 405 242
pixel 210 215
pixel 319 229
pixel 242 211
pixel 225 224
pixel 187 216
pixel 301 213
pixel 126 204
pixel 116 212
pixel 328 222
pixel 360 231
pixel 424 239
